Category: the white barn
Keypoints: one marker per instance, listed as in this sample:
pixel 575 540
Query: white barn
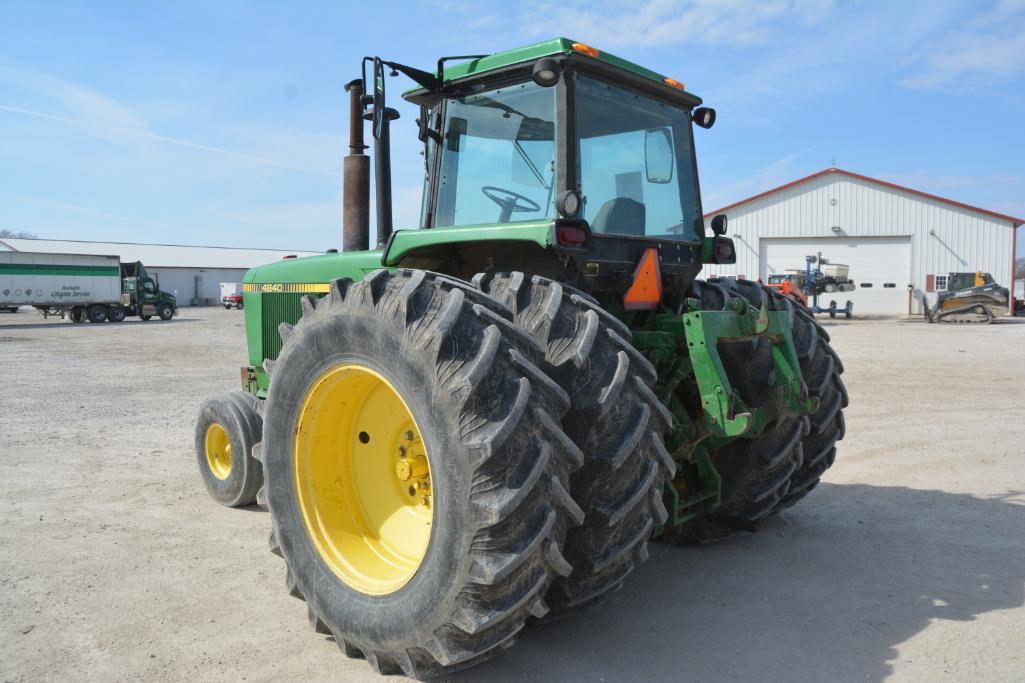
pixel 192 273
pixel 890 236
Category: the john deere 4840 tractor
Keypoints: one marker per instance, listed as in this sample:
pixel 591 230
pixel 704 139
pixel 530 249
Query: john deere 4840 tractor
pixel 484 421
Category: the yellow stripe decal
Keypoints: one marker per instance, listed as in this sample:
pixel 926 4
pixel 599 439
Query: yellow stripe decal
pixel 282 288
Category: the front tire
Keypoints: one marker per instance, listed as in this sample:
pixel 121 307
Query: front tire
pixel 227 430
pixel 485 419
pixel 614 418
pixel 165 312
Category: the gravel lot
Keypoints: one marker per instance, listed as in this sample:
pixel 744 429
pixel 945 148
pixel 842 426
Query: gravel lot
pixel 908 562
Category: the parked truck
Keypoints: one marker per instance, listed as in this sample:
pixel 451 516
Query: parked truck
pixel 231 295
pixel 81 287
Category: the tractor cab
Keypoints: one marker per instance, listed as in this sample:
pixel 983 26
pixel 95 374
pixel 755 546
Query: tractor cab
pixel 631 168
pixel 583 158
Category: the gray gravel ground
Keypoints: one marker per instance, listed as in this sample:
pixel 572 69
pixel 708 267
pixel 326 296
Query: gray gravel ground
pixel 908 562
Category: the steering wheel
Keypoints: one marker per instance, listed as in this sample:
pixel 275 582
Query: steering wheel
pixel 510 202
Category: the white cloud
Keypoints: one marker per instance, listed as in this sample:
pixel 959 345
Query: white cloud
pixel 661 23
pixel 77 101
pixel 929 181
pixel 774 174
pixel 987 49
pixel 114 122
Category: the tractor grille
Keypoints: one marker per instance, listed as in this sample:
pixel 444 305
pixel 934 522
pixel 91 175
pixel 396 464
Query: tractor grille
pixel 277 308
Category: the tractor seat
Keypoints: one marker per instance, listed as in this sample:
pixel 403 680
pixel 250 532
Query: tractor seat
pixel 620 216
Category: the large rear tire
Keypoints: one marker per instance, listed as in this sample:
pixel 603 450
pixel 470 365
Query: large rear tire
pixel 433 353
pixel 766 473
pixel 614 418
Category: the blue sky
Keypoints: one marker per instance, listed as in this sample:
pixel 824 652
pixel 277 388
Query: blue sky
pixel 224 123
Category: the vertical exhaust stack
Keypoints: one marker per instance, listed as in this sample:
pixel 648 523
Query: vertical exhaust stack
pixel 356 178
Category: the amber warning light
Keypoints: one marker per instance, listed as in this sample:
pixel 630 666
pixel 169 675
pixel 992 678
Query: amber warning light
pixel 586 49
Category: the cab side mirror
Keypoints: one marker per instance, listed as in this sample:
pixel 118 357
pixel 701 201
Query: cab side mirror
pixel 658 155
pixel 378 113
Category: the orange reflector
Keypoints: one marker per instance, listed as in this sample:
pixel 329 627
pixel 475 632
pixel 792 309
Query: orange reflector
pixel 646 291
pixel 673 83
pixel 586 49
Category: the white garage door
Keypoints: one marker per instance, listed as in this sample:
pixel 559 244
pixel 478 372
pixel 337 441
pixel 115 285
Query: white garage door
pixel 880 268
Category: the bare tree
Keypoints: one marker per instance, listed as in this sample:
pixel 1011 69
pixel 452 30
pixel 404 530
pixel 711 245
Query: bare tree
pixel 17 234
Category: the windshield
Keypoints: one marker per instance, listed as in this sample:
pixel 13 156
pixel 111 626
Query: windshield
pixel 636 167
pixel 497 157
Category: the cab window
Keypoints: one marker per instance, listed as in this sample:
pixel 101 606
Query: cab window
pixel 635 163
pixel 497 157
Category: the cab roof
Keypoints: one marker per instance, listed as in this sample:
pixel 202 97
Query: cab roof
pixel 556 46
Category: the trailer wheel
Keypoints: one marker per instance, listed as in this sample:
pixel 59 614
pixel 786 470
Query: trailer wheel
pixel 77 314
pixel 228 427
pixel 165 312
pixel 97 313
pixel 116 314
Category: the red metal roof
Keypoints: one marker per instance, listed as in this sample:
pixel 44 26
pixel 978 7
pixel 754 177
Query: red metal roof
pixel 1015 221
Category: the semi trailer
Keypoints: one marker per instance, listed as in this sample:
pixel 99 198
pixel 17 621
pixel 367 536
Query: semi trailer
pixel 81 287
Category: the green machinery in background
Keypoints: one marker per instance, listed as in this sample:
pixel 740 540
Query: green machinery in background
pixel 483 421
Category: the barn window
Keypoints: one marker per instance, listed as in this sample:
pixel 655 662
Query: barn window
pixel 866 284
pixel 941 283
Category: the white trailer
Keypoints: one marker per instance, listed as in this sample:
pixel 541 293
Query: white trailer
pixel 229 288
pixel 82 285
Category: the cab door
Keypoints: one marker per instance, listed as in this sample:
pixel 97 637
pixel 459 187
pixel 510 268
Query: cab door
pixel 148 297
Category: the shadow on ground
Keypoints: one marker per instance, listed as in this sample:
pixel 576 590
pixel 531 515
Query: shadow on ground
pixel 56 324
pixel 825 592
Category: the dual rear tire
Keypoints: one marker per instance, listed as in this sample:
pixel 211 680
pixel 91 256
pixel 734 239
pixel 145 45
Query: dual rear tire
pixel 772 471
pixel 615 420
pixel 444 401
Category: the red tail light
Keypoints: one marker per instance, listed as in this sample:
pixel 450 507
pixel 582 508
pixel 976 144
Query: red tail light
pixel 569 236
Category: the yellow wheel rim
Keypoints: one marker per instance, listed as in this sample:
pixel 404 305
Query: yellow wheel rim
pixel 363 480
pixel 218 451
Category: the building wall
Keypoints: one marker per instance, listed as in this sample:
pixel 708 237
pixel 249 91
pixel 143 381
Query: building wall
pixel 961 240
pixel 184 280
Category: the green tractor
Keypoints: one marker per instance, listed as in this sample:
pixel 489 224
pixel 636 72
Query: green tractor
pixel 484 421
